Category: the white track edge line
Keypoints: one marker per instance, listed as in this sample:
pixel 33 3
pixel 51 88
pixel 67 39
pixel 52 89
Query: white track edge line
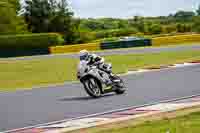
pixel 103 113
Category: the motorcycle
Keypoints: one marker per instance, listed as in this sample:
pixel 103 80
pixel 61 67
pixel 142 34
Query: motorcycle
pixel 98 82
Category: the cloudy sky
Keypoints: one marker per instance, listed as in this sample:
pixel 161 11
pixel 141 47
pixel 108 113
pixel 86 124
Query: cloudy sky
pixel 128 8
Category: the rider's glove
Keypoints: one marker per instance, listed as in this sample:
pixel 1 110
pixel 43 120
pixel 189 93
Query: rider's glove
pixel 78 75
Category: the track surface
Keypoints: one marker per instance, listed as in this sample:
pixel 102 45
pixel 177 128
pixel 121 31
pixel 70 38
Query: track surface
pixel 193 46
pixel 26 108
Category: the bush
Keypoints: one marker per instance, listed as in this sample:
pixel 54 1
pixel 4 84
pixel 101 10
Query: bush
pixel 196 25
pixel 28 44
pixel 155 29
pixel 84 37
pixel 30 40
pixel 176 39
pixel 169 29
pixel 115 33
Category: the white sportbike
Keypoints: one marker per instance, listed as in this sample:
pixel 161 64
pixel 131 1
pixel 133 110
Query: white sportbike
pixel 98 82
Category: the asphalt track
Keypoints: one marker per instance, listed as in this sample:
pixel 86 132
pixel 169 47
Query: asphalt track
pixel 193 46
pixel 27 108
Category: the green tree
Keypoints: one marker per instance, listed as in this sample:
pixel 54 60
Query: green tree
pixel 169 28
pixel 196 24
pixel 184 28
pixel 15 4
pixel 184 15
pixel 180 28
pixel 50 16
pixel 10 23
pixel 5 9
pixel 37 15
pixel 155 29
pixel 198 10
pixel 91 24
pixel 103 24
pixel 62 22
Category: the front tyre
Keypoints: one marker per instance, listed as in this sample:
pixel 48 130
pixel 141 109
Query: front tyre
pixel 92 87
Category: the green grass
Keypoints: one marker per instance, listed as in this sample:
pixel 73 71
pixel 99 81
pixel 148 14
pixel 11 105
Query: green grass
pixel 184 124
pixel 123 63
pixel 29 73
pixel 36 72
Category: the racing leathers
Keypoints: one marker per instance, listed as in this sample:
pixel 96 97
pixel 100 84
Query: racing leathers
pixel 93 59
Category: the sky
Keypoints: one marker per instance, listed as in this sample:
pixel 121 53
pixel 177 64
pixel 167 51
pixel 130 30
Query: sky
pixel 129 8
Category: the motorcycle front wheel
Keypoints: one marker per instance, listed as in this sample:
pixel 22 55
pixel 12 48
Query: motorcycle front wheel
pixel 92 87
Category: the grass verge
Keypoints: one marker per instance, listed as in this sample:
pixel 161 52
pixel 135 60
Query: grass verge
pixel 181 121
pixel 37 72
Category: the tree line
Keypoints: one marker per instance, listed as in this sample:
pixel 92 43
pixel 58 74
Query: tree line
pixel 43 16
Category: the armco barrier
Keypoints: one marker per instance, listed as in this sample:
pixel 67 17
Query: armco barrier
pixel 140 42
pixel 126 44
pixel 74 48
pixel 159 41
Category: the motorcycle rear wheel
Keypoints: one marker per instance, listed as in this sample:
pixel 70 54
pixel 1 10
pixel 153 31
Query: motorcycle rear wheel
pixel 120 87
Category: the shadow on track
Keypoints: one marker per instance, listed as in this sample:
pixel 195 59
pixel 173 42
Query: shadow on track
pixel 83 98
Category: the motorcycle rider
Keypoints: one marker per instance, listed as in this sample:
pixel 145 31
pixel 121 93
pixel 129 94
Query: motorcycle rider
pixel 93 59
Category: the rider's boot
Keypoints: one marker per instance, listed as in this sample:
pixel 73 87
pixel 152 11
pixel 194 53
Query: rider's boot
pixel 114 78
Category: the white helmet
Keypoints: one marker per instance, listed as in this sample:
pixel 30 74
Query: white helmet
pixel 83 54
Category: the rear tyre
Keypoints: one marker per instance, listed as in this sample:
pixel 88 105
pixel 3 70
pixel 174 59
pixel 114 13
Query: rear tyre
pixel 120 87
pixel 92 87
pixel 120 91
